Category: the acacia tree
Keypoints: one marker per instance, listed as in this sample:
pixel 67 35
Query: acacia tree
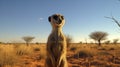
pixel 0 42
pixel 115 41
pixel 27 39
pixel 98 36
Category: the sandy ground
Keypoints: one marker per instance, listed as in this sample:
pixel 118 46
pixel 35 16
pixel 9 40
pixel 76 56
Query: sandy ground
pixel 77 56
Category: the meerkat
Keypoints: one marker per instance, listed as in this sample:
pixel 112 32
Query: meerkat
pixel 56 44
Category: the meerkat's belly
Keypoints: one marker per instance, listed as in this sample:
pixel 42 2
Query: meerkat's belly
pixel 57 47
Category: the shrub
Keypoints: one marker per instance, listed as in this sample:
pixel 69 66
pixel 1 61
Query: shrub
pixel 111 48
pixel 84 54
pixel 36 49
pixel 0 42
pixel 73 48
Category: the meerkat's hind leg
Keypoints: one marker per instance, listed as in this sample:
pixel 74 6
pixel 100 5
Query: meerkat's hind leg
pixel 63 63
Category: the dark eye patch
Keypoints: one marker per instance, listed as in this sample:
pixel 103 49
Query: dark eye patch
pixel 55 17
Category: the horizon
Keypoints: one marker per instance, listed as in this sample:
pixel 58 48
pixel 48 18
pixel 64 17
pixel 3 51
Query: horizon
pixel 20 18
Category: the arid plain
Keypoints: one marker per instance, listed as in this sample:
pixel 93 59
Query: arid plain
pixel 78 55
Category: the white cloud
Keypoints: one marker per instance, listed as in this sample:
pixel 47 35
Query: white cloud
pixel 40 19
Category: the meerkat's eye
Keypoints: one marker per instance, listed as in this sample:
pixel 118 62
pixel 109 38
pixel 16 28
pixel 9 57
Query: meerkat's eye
pixel 62 17
pixel 55 17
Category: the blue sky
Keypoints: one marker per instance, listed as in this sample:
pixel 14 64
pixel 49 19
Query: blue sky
pixel 20 18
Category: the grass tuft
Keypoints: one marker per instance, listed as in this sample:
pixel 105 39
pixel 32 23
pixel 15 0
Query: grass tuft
pixel 7 55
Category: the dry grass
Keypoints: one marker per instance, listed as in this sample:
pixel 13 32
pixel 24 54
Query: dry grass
pixel 79 55
pixel 20 54
pixel 7 55
pixel 23 50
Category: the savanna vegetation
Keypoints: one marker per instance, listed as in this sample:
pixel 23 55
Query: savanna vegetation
pixel 78 55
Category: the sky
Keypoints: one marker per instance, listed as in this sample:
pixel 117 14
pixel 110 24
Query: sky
pixel 19 18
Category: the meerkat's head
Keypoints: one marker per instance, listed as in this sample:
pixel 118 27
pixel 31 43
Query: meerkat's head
pixel 56 20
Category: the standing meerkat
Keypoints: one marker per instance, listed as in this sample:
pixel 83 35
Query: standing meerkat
pixel 56 44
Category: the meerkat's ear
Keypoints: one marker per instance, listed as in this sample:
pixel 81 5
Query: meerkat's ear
pixel 49 19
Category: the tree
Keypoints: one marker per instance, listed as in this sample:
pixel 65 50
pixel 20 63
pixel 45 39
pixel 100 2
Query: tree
pixel 115 20
pixel 107 42
pixel 0 42
pixel 68 40
pixel 98 36
pixel 115 41
pixel 27 39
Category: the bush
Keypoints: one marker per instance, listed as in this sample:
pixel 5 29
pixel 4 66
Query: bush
pixel 0 42
pixel 112 48
pixel 36 49
pixel 84 54
pixel 73 48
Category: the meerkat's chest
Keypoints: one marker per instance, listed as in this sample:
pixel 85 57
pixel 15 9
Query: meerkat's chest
pixel 57 42
pixel 57 47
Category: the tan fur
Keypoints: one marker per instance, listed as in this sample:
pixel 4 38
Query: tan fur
pixel 56 44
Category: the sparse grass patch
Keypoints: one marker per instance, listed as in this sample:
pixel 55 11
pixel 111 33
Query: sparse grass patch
pixel 101 48
pixel 41 50
pixel 36 47
pixel 75 48
pixel 43 53
pixel 7 56
pixel 24 50
pixel 103 53
pixel 84 53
